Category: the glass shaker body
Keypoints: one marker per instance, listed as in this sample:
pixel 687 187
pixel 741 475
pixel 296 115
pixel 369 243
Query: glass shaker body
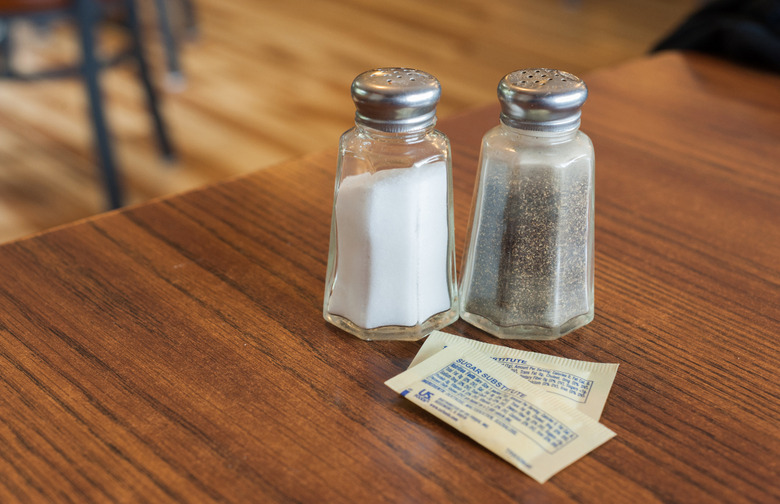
pixel 391 265
pixel 528 269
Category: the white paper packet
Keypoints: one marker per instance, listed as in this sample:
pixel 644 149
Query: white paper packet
pixel 537 432
pixel 585 384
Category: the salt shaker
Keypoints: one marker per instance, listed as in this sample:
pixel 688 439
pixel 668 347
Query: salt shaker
pixel 528 265
pixel 391 265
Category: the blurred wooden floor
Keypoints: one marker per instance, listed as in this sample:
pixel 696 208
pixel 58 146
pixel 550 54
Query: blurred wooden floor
pixel 269 80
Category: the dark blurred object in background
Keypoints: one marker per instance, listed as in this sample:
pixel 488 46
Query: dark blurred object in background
pixel 744 31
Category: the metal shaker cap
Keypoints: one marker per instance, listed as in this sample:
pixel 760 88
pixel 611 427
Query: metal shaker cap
pixel 396 99
pixel 541 99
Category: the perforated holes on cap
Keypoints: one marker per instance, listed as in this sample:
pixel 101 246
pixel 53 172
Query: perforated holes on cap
pixel 531 79
pixel 402 75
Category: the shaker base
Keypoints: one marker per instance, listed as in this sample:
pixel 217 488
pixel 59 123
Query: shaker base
pixel 395 333
pixel 527 332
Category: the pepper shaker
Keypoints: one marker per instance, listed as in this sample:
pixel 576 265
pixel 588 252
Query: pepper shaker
pixel 528 265
pixel 391 265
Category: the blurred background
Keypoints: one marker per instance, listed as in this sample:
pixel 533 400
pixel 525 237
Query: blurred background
pixel 265 81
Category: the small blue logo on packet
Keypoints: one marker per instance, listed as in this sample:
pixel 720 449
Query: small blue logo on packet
pixel 423 395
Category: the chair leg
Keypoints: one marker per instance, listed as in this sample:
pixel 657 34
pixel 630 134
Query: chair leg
pixel 169 41
pixel 190 18
pixel 86 19
pixel 143 69
pixel 5 47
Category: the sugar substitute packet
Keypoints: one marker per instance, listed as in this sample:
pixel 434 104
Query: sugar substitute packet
pixel 585 384
pixel 533 430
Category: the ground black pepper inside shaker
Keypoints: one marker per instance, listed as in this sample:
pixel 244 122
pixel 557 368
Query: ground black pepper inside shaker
pixel 528 267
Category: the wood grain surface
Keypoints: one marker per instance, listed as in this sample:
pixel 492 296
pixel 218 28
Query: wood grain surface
pixel 176 352
pixel 268 81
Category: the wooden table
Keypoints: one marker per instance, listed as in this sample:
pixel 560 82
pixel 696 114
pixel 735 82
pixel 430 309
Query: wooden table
pixel 176 352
